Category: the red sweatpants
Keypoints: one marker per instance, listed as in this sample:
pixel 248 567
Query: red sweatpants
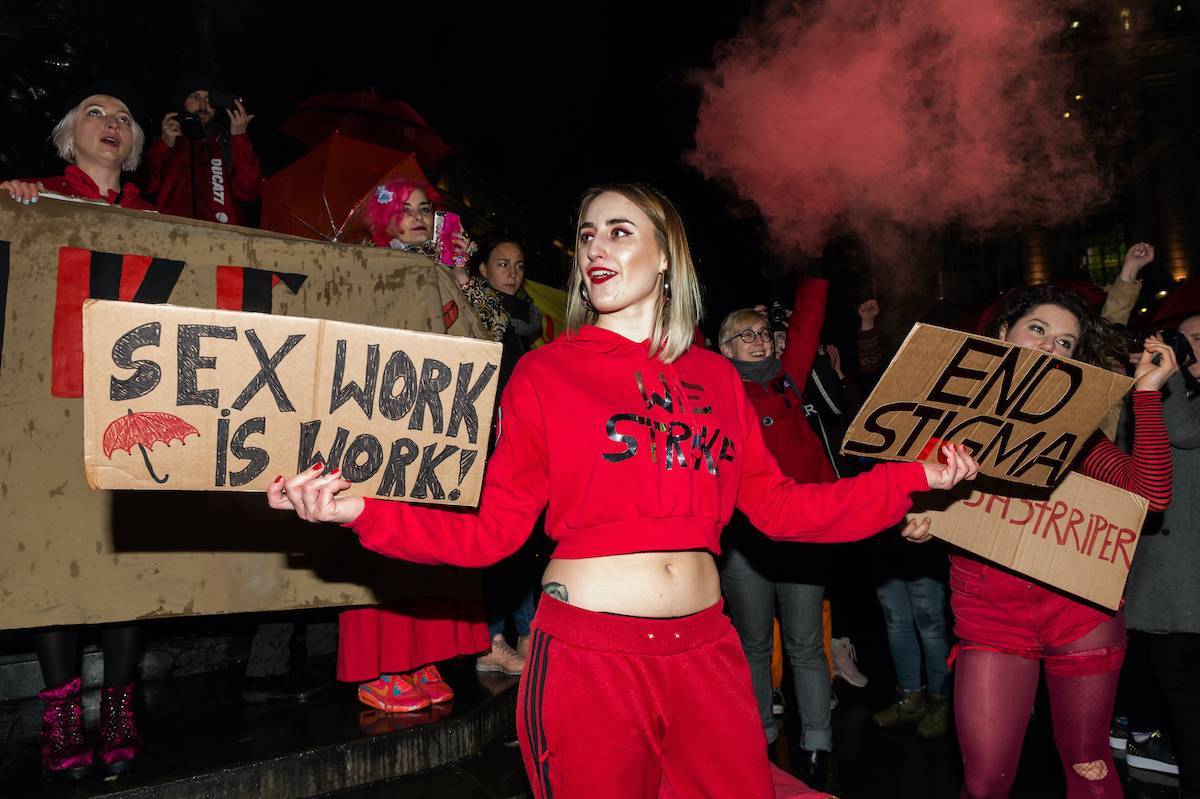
pixel 632 707
pixel 397 638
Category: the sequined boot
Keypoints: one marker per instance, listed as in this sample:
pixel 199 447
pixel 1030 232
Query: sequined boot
pixel 64 752
pixel 120 742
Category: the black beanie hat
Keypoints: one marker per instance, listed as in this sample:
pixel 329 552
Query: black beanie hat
pixel 113 88
pixel 186 84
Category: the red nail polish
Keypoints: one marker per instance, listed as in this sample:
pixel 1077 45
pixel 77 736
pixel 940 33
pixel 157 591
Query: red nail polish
pixel 277 479
pixel 318 467
pixel 334 470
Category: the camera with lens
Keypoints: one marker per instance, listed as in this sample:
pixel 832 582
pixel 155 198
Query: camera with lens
pixel 777 316
pixel 1185 356
pixel 190 125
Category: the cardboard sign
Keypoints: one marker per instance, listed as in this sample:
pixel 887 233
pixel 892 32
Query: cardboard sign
pixel 1022 413
pixel 183 398
pixel 77 556
pixel 1079 538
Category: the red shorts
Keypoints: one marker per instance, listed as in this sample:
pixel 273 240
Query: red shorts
pixel 994 609
pixel 633 707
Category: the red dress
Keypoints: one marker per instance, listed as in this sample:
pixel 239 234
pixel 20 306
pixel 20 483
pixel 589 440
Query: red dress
pixel 402 636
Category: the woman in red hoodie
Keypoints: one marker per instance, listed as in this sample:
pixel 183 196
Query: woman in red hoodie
pixel 99 137
pixel 641 446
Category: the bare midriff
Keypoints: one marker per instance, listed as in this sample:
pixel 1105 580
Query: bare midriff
pixel 649 584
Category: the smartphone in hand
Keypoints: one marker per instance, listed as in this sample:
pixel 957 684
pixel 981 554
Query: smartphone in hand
pixel 446 227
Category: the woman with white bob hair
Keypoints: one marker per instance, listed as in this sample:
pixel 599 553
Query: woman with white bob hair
pixel 99 137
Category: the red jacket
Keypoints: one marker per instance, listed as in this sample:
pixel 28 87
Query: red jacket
pixel 780 410
pixel 219 186
pixel 632 455
pixel 74 182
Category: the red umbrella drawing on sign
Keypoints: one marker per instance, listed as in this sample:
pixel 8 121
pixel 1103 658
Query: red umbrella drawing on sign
pixel 143 430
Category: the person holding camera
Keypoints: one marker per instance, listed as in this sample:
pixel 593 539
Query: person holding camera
pixel 204 165
pixel 1163 593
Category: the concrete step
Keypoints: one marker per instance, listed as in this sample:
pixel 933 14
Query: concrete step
pixel 203 740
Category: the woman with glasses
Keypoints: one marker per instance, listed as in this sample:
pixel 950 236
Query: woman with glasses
pixel 757 573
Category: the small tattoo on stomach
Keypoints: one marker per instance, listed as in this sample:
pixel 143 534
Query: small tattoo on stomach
pixel 556 590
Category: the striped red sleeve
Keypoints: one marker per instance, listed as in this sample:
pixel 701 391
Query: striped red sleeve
pixel 1148 470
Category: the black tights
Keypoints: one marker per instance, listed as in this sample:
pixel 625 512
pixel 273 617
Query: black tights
pixel 58 654
pixel 993 697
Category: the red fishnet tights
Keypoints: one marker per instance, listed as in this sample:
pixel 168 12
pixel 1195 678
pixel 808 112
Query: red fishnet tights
pixel 993 697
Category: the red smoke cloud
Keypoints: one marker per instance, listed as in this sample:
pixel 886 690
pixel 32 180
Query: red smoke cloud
pixel 858 113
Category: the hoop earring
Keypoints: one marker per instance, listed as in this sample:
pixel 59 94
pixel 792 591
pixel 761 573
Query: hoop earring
pixel 583 295
pixel 666 290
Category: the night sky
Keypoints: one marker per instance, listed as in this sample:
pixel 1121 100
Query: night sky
pixel 542 98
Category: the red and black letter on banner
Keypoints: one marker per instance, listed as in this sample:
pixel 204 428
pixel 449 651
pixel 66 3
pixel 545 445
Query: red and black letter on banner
pixel 85 274
pixel 241 288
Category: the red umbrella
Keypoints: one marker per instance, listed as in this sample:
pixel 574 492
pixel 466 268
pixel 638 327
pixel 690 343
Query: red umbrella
pixel 367 116
pixel 143 430
pixel 318 196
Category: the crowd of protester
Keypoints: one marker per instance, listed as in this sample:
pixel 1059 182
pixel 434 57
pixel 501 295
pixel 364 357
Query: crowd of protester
pixel 1125 681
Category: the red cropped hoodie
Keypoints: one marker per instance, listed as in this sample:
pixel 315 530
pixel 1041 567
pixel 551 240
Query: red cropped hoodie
pixel 632 455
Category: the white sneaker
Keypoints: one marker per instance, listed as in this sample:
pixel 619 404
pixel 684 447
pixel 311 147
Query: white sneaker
pixel 845 663
pixel 502 658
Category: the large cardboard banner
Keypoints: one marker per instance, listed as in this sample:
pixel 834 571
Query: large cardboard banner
pixel 404 415
pixel 71 555
pixel 1022 413
pixel 1079 537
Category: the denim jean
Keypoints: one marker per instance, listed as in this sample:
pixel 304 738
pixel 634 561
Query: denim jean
pixel 916 609
pixel 751 585
pixel 510 590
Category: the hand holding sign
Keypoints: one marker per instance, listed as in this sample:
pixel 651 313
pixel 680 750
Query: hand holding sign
pixel 959 466
pixel 313 494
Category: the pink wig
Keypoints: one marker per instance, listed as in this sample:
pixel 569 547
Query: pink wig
pixel 386 203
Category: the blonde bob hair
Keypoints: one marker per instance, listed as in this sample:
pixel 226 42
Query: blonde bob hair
pixel 736 322
pixel 63 139
pixel 675 322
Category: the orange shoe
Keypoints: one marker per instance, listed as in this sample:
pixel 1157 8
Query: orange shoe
pixel 430 681
pixel 393 693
